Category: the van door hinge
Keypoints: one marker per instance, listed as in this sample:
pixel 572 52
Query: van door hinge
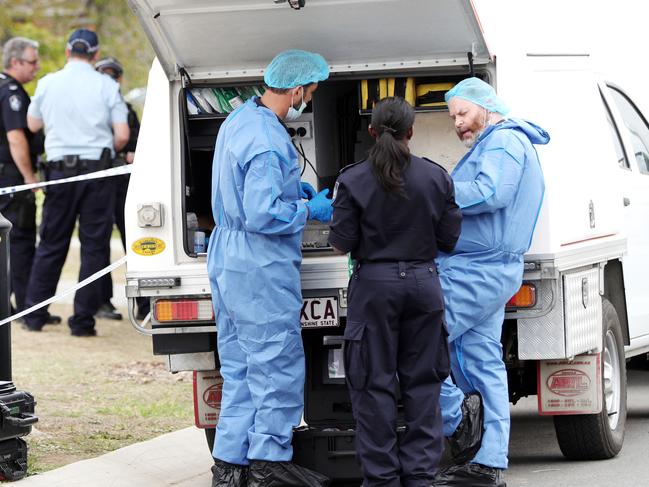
pixel 184 76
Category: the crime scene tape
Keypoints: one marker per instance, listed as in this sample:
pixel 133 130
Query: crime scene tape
pixel 71 290
pixel 113 171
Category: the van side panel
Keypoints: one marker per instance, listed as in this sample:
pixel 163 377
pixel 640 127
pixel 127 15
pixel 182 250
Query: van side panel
pixel 560 93
pixel 152 176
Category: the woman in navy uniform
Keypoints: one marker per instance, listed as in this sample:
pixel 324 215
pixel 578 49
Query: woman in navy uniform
pixel 393 212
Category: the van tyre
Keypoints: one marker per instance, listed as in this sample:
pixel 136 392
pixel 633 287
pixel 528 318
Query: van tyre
pixel 600 436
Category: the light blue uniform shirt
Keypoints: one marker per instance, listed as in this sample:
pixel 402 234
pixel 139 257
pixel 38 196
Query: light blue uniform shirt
pixel 78 107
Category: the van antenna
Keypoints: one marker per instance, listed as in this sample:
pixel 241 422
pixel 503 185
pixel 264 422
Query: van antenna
pixel 469 55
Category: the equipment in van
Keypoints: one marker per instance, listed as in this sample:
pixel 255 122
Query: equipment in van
pixel 220 100
pixel 432 94
pixel 373 90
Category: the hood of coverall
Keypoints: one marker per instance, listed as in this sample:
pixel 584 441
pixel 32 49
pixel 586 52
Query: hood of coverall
pixel 536 134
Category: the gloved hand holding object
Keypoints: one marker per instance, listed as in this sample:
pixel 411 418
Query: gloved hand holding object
pixel 320 207
pixel 307 192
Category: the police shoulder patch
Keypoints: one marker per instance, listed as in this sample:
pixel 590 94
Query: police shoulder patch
pixel 13 87
pixel 333 198
pixel 15 103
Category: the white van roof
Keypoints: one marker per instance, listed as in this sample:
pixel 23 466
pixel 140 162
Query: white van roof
pixel 238 38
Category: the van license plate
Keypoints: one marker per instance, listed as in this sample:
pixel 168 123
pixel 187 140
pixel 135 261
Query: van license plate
pixel 319 312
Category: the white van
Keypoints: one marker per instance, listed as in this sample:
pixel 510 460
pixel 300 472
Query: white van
pixel 581 311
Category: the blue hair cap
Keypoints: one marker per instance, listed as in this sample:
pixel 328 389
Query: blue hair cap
pixel 477 91
pixel 293 68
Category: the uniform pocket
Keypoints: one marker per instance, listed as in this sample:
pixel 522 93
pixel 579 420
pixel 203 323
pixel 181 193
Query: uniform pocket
pixel 430 297
pixel 355 355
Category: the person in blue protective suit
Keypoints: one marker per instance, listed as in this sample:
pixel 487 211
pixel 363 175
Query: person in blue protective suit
pixel 499 187
pixel 253 263
pixel 393 212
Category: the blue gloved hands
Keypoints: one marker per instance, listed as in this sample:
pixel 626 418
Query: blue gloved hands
pixel 307 192
pixel 320 207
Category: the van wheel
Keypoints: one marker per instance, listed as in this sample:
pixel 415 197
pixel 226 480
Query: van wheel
pixel 209 436
pixel 600 436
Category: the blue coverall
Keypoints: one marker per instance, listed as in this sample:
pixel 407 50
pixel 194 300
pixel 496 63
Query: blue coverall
pixel 253 262
pixel 499 187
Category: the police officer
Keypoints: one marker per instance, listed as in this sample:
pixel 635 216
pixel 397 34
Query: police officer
pixel 393 212
pixel 19 149
pixel 85 119
pixel 112 67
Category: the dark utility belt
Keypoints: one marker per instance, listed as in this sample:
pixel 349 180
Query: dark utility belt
pixel 74 165
pixel 80 166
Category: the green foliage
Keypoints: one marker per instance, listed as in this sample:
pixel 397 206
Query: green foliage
pixel 50 22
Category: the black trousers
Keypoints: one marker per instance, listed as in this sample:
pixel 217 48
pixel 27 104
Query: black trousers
pixel 92 203
pixel 20 210
pixel 396 338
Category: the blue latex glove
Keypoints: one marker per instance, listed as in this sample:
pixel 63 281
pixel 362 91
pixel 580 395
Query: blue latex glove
pixel 320 207
pixel 307 192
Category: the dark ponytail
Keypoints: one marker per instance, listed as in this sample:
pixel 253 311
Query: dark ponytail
pixel 392 118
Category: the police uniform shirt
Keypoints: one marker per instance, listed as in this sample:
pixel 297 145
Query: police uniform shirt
pixel 376 226
pixel 14 102
pixel 78 107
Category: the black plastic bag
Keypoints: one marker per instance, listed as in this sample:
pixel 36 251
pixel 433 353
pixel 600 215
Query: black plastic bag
pixel 283 474
pixel 470 475
pixel 467 439
pixel 229 475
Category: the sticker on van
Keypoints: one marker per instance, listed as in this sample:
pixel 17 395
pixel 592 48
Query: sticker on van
pixel 148 246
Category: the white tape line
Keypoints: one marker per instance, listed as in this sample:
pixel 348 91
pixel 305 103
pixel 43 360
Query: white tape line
pixel 71 290
pixel 113 171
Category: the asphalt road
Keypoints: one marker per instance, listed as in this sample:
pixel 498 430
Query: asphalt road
pixel 536 461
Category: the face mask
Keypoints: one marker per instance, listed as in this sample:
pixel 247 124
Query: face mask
pixel 293 113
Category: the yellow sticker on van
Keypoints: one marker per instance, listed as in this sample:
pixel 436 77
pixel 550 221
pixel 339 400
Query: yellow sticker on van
pixel 148 246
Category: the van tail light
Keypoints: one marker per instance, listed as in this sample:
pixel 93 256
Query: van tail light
pixel 166 310
pixel 524 298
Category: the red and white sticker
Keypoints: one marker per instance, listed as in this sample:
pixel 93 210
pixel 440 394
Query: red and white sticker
pixel 208 391
pixel 570 386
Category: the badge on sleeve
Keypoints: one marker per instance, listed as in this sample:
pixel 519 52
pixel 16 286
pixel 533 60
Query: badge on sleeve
pixel 15 103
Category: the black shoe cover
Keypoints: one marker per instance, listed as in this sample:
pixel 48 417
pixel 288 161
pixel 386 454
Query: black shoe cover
pixel 469 475
pixel 283 474
pixel 226 474
pixel 467 438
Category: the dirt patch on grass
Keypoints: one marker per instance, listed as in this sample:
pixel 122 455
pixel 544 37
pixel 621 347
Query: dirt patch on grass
pixel 95 394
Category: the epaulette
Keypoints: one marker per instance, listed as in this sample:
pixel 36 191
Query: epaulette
pixel 350 165
pixel 437 164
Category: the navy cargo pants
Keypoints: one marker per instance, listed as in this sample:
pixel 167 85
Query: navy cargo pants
pixel 395 337
pixel 92 202
pixel 20 210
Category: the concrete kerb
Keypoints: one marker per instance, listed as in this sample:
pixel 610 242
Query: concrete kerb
pixel 179 459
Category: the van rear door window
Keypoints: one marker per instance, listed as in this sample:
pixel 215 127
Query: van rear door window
pixel 637 127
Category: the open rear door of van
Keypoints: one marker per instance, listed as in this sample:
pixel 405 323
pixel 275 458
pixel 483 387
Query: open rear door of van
pixel 220 39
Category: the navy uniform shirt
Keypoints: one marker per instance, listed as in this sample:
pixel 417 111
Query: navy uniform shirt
pixel 14 101
pixel 378 226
